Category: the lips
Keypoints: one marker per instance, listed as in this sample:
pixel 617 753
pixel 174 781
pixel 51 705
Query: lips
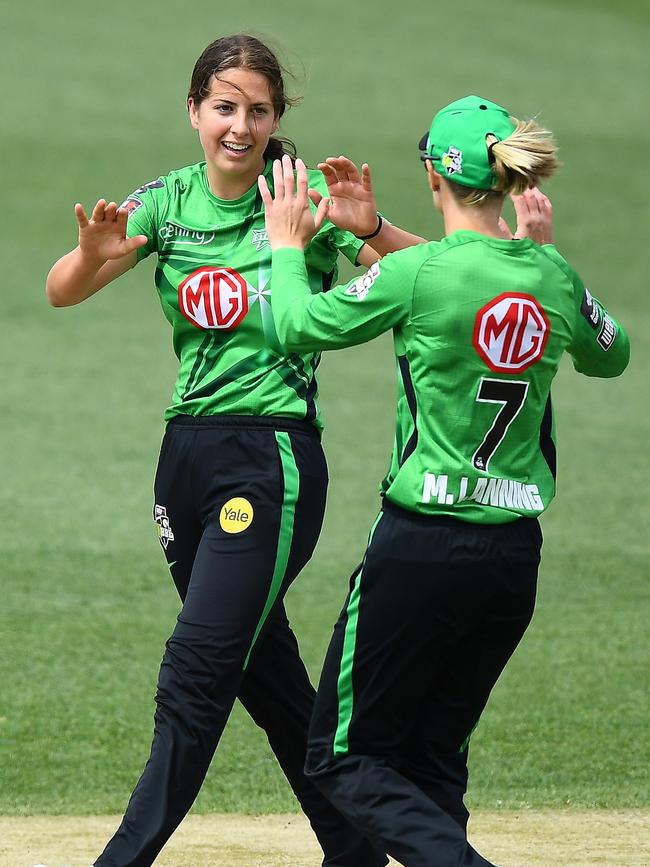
pixel 235 148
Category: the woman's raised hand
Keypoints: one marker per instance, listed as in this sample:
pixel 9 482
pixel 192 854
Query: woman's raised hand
pixel 289 220
pixel 534 214
pixel 103 236
pixel 353 202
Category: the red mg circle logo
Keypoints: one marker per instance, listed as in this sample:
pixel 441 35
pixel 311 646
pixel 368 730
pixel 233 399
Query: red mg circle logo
pixel 214 298
pixel 510 332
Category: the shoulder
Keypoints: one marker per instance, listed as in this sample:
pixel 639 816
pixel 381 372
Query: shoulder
pixel 551 255
pixel 414 258
pixel 185 176
pixel 406 264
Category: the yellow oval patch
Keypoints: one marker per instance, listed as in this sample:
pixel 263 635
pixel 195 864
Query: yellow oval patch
pixel 236 515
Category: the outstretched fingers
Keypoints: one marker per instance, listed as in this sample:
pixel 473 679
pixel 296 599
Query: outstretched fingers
pixel 287 176
pixel 99 211
pixel 265 193
pixel 80 214
pixel 278 180
pixel 301 180
pixel 366 177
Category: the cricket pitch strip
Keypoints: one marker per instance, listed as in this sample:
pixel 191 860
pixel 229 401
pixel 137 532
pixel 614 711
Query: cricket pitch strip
pixel 545 838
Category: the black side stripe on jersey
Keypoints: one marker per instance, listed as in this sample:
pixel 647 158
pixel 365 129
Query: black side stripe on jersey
pixel 199 361
pixel 242 368
pixel 328 279
pixel 546 443
pixel 409 391
pixel 312 388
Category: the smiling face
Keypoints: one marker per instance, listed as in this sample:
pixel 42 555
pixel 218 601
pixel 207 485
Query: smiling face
pixel 234 120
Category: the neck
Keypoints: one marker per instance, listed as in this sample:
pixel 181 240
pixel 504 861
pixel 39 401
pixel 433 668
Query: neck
pixel 227 186
pixel 458 217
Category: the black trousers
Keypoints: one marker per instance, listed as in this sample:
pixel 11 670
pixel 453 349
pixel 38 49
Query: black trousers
pixel 434 613
pixel 239 504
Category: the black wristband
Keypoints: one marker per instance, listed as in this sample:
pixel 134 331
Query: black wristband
pixel 380 223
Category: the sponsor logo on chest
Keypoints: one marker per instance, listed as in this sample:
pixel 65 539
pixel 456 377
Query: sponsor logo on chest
pixel 510 332
pixel 214 298
pixel 174 233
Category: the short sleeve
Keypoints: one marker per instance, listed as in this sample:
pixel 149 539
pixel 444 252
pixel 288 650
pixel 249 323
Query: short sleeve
pixel 142 209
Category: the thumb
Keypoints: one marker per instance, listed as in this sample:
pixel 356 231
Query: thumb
pixel 315 196
pixel 134 243
pixel 321 212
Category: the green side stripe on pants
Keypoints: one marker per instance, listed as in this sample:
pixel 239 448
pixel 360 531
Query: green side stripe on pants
pixel 285 537
pixel 344 683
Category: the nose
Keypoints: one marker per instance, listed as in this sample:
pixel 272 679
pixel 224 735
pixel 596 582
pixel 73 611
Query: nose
pixel 239 125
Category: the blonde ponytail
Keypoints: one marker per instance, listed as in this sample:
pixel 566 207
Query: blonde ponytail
pixel 523 159
pixel 519 161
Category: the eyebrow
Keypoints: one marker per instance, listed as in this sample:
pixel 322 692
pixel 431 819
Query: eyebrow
pixel 232 102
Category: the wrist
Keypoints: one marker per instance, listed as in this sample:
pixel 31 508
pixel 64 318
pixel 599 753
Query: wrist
pixel 375 232
pixel 289 244
pixel 90 261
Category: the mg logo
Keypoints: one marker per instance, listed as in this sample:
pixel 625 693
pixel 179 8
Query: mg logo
pixel 214 298
pixel 510 332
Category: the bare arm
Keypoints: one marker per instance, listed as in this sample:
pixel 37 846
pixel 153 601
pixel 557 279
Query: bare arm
pixel 104 253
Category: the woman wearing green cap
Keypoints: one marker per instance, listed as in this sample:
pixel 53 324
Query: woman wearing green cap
pixel 447 585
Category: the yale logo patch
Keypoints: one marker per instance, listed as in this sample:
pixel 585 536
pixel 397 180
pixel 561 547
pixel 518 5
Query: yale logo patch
pixel 236 515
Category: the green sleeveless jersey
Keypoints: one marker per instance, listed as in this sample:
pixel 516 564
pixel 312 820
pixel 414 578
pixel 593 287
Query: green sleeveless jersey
pixel 215 287
pixel 480 325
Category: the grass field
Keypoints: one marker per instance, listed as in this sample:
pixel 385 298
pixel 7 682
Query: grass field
pixel 93 104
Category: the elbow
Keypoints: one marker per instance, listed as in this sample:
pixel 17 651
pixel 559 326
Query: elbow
pixel 54 296
pixel 622 359
pixel 54 300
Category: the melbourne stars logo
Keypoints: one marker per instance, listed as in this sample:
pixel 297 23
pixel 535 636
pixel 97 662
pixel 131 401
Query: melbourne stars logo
pixel 165 532
pixel 259 239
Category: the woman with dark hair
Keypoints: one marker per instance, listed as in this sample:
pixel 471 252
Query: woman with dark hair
pixel 447 585
pixel 241 481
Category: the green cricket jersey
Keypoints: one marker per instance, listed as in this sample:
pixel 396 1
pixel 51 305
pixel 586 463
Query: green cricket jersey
pixel 480 325
pixel 214 282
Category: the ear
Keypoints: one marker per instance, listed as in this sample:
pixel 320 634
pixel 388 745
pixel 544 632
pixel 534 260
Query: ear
pixel 433 177
pixel 193 111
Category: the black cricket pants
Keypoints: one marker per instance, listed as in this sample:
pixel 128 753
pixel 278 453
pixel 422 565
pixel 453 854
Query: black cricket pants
pixel 239 503
pixel 434 613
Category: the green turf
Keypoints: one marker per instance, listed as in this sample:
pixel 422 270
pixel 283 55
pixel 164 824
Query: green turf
pixel 93 104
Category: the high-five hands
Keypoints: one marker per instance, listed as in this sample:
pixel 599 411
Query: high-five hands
pixel 103 236
pixel 289 219
pixel 353 202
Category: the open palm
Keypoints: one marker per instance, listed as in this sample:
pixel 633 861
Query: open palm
pixel 353 206
pixel 103 236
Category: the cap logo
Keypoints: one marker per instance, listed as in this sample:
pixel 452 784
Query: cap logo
pixel 452 161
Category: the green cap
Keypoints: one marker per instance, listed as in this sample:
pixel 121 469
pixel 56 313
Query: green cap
pixel 456 141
